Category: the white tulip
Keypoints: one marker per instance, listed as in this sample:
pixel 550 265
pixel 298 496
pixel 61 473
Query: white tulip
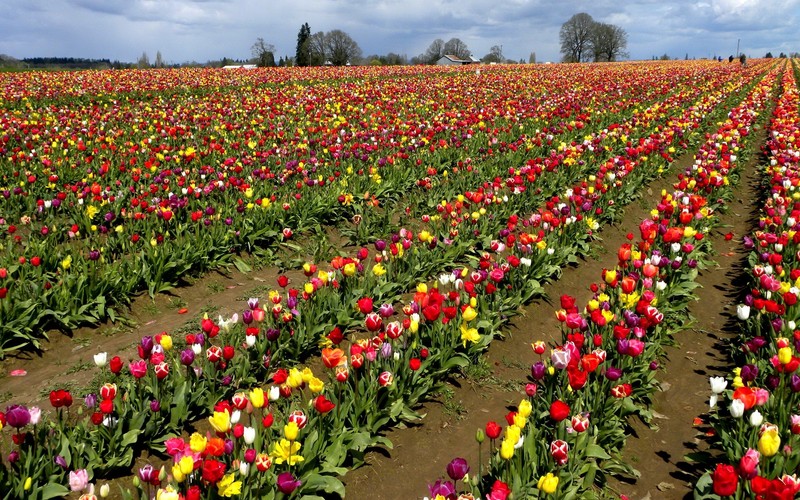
pixel 250 340
pixel 712 401
pixel 249 435
pixel 100 359
pixel 661 285
pixel 756 418
pixel 737 408
pixel 274 393
pixel 235 416
pixel 718 384
pixel 742 311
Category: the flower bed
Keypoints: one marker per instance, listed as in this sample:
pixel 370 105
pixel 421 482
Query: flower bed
pixel 755 408
pixel 281 422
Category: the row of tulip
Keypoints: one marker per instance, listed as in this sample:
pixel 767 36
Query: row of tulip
pixel 581 392
pixel 103 201
pixel 755 409
pixel 392 363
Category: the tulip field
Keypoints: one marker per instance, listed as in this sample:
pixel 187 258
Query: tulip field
pixel 409 215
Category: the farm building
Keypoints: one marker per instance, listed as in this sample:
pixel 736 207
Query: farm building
pixel 450 60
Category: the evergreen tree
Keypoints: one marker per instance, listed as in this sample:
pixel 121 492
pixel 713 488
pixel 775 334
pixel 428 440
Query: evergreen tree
pixel 303 54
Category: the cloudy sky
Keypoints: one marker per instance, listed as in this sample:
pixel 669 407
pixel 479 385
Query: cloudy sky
pixel 202 30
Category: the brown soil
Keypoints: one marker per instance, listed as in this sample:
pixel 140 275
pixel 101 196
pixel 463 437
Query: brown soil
pixel 421 452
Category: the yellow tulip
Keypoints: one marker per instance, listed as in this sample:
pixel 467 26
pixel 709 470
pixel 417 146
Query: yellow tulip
pixel 177 473
pixel 197 442
pixel 525 408
pixel 784 355
pixel 316 385
pixel 257 397
pixel 548 483
pixel 469 313
pixel 507 449
pixel 186 465
pixel 291 430
pixel 769 442
pixel 220 421
pixel 295 379
pixel 166 342
pixel 227 487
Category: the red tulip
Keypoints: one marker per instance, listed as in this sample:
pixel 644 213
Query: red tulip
pixel 365 305
pixel 493 430
pixel 115 365
pixel 323 405
pixel 559 410
pixel 725 480
pixel 60 398
pixel 213 470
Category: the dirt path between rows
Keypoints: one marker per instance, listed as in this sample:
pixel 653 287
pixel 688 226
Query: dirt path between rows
pixel 421 452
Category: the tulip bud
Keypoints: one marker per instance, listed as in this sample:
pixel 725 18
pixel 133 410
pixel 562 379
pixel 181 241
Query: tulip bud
pixel 480 436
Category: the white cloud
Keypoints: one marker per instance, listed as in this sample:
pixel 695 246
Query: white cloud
pixel 209 29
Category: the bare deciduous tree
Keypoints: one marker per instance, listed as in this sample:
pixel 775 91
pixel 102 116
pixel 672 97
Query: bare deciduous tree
pixel 434 53
pixel 316 49
pixel 263 52
pixel 455 47
pixel 341 49
pixel 575 36
pixel 143 62
pixel 495 55
pixel 608 42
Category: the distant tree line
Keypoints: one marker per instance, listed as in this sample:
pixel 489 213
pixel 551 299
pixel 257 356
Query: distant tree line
pixel 584 39
pixel 66 63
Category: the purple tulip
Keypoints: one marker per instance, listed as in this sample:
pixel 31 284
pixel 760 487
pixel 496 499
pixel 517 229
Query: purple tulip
pixel 228 446
pixel 247 317
pixel 287 483
pixel 18 416
pixel 538 370
pixel 613 373
pixel 457 469
pixel 155 406
pixel 749 373
pixel 386 310
pixel 380 245
pixel 147 473
pixel 445 489
pixel 386 350
pixel 61 462
pixel 90 400
pixel 187 357
pixel 13 457
pixel 654 365
pixel 272 334
pixel 772 382
pixel 147 344
pixel 226 380
pixel 794 383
